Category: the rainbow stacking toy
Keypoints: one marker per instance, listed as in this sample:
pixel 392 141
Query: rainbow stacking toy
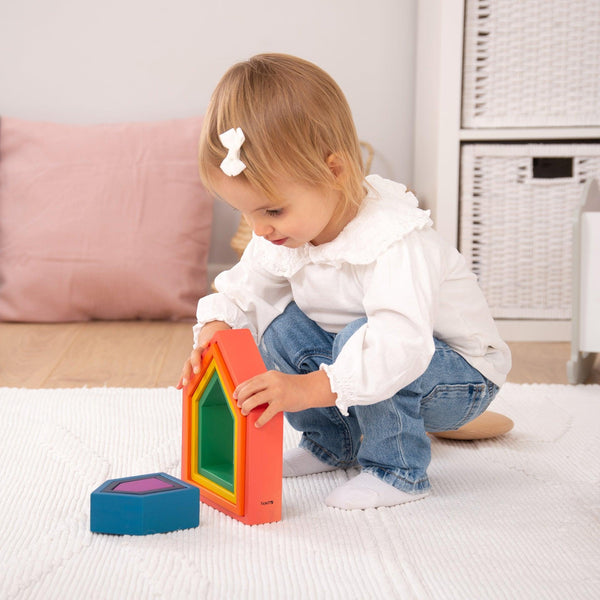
pixel 236 465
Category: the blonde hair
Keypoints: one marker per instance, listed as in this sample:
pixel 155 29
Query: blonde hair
pixel 294 117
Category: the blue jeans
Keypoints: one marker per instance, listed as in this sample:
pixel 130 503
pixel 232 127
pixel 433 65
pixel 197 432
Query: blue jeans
pixel 387 439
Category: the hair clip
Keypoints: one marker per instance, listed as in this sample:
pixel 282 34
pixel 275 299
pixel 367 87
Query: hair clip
pixel 232 139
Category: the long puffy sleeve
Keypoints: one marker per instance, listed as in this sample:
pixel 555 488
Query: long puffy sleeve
pixel 248 296
pixel 395 346
pixel 388 265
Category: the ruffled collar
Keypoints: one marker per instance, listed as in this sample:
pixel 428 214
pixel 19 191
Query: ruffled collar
pixel 387 214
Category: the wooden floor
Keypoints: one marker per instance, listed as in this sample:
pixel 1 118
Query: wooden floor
pixel 151 354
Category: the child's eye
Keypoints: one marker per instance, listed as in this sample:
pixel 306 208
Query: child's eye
pixel 273 212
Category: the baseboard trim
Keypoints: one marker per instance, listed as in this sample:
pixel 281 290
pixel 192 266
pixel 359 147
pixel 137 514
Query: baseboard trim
pixel 534 331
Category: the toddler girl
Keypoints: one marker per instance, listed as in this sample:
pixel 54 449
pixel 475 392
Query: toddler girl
pixel 375 330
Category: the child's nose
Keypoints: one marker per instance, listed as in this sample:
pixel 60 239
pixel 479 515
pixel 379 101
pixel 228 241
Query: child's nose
pixel 261 228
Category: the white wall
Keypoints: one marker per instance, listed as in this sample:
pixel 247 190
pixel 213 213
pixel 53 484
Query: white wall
pixel 90 61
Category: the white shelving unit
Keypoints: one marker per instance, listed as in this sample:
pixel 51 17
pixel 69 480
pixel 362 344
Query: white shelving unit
pixel 439 136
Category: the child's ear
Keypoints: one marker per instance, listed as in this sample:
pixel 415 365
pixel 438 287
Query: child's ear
pixel 335 164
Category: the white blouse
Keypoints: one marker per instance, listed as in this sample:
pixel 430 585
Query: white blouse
pixel 388 265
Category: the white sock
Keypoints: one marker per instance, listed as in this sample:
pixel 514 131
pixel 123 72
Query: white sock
pixel 298 461
pixel 368 491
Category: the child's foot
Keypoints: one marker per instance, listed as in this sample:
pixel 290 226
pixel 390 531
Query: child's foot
pixel 298 461
pixel 368 491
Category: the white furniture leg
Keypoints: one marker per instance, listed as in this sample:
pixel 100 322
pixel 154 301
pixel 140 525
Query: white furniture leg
pixel 585 339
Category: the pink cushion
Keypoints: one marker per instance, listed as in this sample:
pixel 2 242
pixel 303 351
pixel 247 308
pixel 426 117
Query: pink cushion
pixel 101 221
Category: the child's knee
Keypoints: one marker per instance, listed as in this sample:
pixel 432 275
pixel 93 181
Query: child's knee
pixel 293 343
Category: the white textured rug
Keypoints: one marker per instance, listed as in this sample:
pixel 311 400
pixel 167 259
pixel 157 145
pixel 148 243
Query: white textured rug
pixel 516 517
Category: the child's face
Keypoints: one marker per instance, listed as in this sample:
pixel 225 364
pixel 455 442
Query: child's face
pixel 301 213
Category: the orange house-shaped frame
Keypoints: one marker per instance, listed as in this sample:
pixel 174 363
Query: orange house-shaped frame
pixel 236 465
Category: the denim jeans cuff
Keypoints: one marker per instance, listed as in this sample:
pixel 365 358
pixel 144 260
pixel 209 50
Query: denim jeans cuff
pixel 410 487
pixel 324 455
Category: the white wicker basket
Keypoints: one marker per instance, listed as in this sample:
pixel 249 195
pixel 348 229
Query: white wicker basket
pixel 516 223
pixel 531 63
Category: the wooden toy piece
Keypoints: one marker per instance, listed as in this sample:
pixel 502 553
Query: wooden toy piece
pixel 153 503
pixel 487 425
pixel 237 466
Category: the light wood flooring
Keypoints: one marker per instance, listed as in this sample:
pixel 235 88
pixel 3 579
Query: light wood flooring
pixel 151 354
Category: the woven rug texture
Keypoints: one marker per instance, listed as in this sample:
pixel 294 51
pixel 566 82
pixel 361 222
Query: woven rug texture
pixel 513 517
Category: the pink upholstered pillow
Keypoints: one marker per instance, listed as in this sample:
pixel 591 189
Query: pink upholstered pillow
pixel 101 221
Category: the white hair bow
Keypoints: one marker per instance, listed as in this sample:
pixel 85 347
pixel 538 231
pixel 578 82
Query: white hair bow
pixel 232 139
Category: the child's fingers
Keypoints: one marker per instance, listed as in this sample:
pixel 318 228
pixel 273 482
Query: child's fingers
pixel 253 401
pixel 249 388
pixel 193 364
pixel 195 359
pixel 256 392
pixel 191 367
pixel 266 416
pixel 186 373
pixel 263 398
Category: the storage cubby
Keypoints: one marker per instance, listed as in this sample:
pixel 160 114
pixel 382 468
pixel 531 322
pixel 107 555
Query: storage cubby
pixel 517 204
pixel 507 133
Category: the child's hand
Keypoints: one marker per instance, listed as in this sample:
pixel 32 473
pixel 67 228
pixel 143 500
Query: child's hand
pixel 284 392
pixel 192 364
